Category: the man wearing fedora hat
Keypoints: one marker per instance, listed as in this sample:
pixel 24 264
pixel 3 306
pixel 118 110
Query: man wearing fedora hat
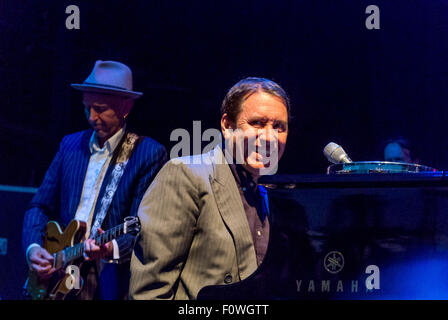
pixel 98 176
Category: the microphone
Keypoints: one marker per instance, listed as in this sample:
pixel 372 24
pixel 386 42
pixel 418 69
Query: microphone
pixel 336 154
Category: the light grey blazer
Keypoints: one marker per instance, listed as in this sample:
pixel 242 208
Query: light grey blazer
pixel 194 231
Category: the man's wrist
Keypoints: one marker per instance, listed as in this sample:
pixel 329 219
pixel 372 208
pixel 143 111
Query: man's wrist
pixel 27 253
pixel 114 255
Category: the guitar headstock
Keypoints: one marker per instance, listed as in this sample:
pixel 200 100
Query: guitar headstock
pixel 131 225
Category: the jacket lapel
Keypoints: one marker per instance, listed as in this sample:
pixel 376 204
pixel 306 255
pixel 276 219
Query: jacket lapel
pixel 232 212
pixel 81 161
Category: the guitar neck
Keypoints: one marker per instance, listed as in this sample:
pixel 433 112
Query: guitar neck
pixel 77 251
pixel 110 235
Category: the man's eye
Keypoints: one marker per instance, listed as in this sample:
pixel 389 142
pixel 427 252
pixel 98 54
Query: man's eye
pixel 257 123
pixel 280 127
pixel 100 109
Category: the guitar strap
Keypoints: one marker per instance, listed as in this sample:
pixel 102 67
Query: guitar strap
pixel 127 147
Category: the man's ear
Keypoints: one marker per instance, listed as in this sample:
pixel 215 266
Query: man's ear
pixel 226 124
pixel 127 106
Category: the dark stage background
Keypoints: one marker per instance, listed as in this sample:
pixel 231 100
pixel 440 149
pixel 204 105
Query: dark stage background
pixel 347 84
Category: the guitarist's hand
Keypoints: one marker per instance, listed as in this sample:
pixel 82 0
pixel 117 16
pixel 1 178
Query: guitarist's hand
pixel 41 262
pixel 95 252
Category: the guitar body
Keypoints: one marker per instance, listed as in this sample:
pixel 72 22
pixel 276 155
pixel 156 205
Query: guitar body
pixel 56 239
pixel 59 285
pixel 67 249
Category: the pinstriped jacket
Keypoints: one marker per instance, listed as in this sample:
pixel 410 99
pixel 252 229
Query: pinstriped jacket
pixel 60 192
pixel 194 231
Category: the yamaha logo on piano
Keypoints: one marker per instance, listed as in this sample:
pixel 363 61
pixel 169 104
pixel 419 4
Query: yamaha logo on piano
pixel 333 263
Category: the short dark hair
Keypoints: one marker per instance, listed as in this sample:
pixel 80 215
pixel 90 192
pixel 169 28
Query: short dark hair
pixel 401 141
pixel 244 89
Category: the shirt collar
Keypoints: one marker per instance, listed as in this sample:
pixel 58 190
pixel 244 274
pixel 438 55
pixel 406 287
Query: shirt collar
pixel 243 178
pixel 109 145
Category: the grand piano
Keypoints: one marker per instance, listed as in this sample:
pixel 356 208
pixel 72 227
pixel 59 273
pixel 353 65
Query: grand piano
pixel 354 236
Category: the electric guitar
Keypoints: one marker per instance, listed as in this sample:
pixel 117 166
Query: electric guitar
pixel 68 250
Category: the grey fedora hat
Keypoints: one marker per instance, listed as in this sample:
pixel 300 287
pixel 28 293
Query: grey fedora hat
pixel 109 77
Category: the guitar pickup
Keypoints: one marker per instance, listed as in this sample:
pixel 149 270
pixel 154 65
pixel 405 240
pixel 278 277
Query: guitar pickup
pixel 3 246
